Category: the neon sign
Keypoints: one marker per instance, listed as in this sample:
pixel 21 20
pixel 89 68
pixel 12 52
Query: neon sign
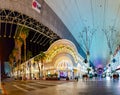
pixel 36 6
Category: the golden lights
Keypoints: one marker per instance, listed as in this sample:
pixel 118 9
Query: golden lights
pixel 58 49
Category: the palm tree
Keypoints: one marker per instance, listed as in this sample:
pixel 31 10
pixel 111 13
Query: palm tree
pixel 88 69
pixel 23 68
pixel 29 55
pixel 37 59
pixel 15 55
pixel 24 32
pixel 42 57
pixel 11 62
pixel 18 44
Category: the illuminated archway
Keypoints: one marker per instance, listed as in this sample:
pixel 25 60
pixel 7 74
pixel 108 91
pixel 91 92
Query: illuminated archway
pixel 61 46
pixel 62 57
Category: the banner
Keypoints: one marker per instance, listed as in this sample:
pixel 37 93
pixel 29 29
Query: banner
pixel 36 6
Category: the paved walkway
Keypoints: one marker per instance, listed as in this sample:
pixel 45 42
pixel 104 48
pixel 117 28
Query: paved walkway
pixel 39 87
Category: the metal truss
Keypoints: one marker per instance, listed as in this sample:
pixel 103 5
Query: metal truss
pixel 15 18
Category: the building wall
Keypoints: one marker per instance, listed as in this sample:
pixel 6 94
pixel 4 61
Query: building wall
pixel 61 62
pixel 46 17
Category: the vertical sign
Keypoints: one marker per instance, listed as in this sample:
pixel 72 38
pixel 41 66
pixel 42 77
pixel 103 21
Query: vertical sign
pixel 36 6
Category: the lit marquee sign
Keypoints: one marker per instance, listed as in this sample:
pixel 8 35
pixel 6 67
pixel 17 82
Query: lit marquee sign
pixel 36 6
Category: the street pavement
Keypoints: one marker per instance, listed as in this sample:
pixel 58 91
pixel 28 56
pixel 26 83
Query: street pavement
pixel 44 87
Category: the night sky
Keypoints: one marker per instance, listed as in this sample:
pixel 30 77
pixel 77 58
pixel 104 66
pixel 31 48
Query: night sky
pixel 6 46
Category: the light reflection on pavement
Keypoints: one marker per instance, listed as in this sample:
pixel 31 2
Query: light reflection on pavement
pixel 40 87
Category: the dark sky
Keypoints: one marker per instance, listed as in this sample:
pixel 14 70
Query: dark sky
pixel 6 46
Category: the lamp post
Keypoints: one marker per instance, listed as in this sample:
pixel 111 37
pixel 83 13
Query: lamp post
pixel 86 37
pixel 88 58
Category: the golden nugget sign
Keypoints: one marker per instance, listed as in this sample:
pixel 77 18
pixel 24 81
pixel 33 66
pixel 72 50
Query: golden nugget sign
pixel 36 6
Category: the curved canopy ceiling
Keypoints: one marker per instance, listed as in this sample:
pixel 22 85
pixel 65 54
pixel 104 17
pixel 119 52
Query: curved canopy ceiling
pixel 12 23
pixel 93 23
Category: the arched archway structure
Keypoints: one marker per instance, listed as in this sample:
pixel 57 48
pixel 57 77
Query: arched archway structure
pixel 62 58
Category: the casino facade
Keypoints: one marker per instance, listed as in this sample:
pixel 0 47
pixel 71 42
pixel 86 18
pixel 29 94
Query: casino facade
pixel 45 27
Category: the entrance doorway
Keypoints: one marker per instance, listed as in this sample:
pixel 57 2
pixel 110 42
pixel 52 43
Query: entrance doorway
pixel 63 74
pixel 65 69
